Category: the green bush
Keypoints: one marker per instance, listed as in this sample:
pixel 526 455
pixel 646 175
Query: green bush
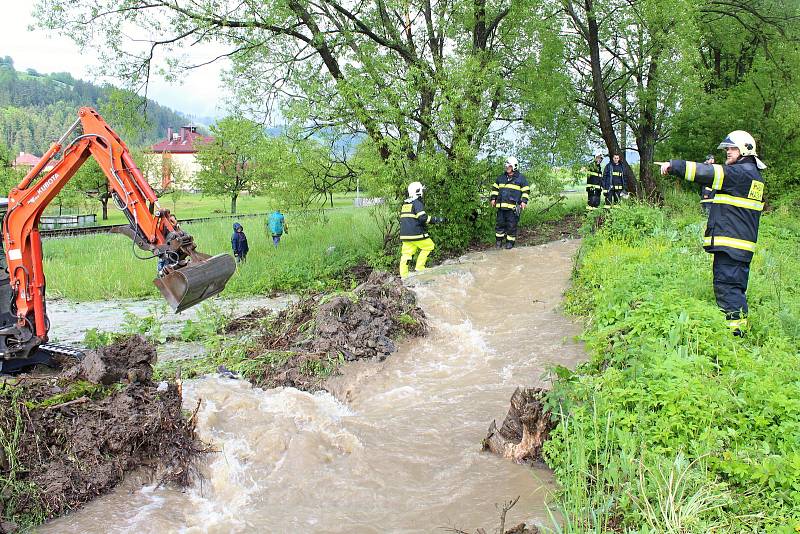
pixel 666 381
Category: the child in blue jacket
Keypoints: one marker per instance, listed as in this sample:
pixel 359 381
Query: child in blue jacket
pixel 239 243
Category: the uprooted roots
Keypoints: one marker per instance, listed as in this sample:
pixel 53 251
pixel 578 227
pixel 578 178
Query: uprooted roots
pixel 66 439
pixel 525 430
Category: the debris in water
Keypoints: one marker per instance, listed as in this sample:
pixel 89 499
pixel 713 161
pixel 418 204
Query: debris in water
pixel 72 437
pixel 525 429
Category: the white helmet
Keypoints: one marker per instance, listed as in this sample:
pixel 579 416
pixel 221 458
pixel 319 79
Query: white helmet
pixel 744 142
pixel 512 162
pixel 415 190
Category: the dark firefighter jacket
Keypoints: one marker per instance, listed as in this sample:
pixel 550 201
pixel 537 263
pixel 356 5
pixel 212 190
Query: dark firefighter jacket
pixel 413 220
pixel 594 178
pixel 509 191
pixel 706 195
pixel 737 205
pixel 614 177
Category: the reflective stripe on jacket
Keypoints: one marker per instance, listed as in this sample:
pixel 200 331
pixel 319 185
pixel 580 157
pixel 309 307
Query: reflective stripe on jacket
pixel 736 207
pixel 509 191
pixel 413 220
pixel 594 178
pixel 614 177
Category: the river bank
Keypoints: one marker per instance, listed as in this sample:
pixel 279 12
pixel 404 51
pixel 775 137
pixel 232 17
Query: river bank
pixel 397 444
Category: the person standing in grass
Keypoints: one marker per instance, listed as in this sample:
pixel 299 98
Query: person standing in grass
pixel 239 243
pixel 510 195
pixel 594 183
pixel 277 227
pixel 733 219
pixel 613 180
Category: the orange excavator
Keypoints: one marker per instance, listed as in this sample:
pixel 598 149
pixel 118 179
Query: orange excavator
pixel 185 276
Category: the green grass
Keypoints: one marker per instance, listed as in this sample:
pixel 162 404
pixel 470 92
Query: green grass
pixel 674 425
pixel 192 205
pixel 313 253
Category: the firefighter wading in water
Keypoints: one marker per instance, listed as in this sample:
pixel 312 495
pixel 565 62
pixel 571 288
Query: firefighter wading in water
pixel 594 183
pixel 414 230
pixel 510 193
pixel 733 219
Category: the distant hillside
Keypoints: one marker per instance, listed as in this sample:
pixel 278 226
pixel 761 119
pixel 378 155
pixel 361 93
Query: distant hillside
pixel 35 109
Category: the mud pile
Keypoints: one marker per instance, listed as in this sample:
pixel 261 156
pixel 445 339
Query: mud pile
pixel 66 439
pixel 322 331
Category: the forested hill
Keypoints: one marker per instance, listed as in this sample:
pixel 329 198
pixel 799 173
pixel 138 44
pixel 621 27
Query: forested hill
pixel 36 108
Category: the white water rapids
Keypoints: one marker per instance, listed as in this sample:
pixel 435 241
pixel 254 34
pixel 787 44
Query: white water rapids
pixel 397 449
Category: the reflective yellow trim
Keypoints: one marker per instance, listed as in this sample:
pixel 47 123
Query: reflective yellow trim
pixel 506 205
pixel 593 186
pixel 420 213
pixel 721 241
pixel 511 238
pixel 616 173
pixel 737 323
pixel 756 190
pixel 691 170
pixel 739 202
pixel 511 186
pixel 592 173
pixel 706 200
pixel 719 175
pixel 499 235
pixel 406 208
pixel 407 216
pixel 525 196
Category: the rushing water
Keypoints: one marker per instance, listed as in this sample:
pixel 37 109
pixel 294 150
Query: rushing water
pixel 402 452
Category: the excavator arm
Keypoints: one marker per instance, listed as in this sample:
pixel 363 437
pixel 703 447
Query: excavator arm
pixel 185 277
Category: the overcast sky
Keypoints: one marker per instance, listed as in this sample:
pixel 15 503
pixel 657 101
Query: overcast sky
pixel 200 95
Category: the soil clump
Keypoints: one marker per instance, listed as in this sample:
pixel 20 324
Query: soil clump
pixel 69 438
pixel 319 333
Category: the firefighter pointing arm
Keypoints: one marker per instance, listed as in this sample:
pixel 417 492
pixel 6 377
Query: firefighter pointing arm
pixel 733 219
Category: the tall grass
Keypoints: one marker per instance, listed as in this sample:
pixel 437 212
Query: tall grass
pixel 674 425
pixel 315 250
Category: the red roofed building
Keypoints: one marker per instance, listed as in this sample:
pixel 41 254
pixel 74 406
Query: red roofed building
pixel 26 160
pixel 178 156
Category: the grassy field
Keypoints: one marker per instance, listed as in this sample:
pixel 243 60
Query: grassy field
pixel 674 425
pixel 103 266
pixel 191 205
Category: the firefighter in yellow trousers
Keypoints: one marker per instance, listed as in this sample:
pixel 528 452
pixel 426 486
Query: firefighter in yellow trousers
pixel 414 230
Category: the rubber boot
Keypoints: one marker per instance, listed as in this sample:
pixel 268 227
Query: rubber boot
pixel 509 245
pixel 498 243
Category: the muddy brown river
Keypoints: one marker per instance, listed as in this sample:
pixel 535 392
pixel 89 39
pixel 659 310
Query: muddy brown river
pixel 396 448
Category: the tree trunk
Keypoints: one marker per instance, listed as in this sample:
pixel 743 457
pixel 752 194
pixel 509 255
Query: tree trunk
pixel 598 89
pixel 649 190
pixel 233 203
pixel 104 202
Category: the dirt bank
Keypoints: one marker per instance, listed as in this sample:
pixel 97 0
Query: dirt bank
pixel 304 344
pixel 69 438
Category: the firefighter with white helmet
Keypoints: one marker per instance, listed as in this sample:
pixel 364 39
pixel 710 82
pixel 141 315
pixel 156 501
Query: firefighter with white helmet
pixel 414 230
pixel 733 219
pixel 510 194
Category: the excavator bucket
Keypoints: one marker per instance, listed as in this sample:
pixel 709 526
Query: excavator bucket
pixel 196 282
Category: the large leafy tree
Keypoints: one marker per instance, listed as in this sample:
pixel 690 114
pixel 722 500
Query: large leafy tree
pixel 235 161
pixel 430 85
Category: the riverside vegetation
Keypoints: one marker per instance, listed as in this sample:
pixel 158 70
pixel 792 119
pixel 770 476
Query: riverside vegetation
pixel 673 425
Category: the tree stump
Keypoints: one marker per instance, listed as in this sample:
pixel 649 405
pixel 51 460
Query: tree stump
pixel 525 429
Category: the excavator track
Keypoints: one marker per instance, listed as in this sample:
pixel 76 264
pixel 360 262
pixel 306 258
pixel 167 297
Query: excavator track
pixel 49 354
